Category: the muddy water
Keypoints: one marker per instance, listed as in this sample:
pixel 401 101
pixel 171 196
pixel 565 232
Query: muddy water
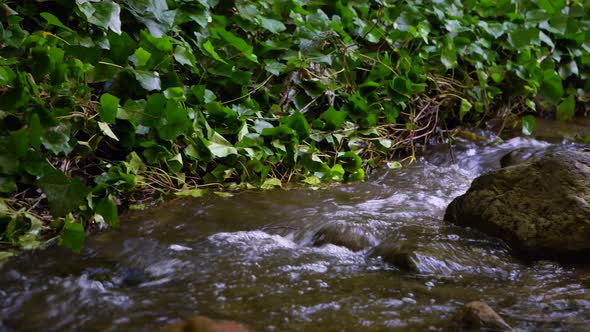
pixel 249 258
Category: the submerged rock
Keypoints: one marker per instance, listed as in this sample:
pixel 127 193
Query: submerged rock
pixel 439 258
pixel 205 324
pixel 134 277
pixel 352 237
pixel 399 254
pixel 540 208
pixel 479 315
pixel 521 156
pixel 416 250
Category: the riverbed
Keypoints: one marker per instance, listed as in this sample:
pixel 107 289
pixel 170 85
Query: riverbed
pixel 250 258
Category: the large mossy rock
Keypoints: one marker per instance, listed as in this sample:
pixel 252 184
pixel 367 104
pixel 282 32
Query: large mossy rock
pixel 540 208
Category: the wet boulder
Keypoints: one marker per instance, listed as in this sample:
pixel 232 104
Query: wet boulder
pixel 521 156
pixel 414 249
pixel 540 208
pixel 425 258
pixel 205 324
pixel 352 237
pixel 134 277
pixel 479 315
pixel 400 254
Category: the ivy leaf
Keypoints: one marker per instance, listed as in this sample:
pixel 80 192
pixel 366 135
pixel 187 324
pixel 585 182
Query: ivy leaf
pixel 211 50
pixel 8 11
pixel 495 29
pixel 360 103
pixel 35 163
pixel 299 124
pixel 465 108
pixel 73 235
pixel 140 58
pixel 30 240
pixel 551 6
pixel 318 21
pixel 6 75
pixel 175 93
pixel 19 142
pixel 154 14
pixel 148 80
pixel 334 119
pixel 350 161
pixel 448 54
pixel 4 255
pixel 175 163
pixel 109 106
pixel 51 19
pixel 312 180
pixel 64 195
pixel 107 208
pixel 8 163
pixel 272 25
pixel 271 183
pixel 313 163
pixel 177 121
pixel 558 24
pixel 104 127
pixel 546 39
pixel 220 147
pixel 57 139
pixel 161 43
pixel 134 163
pixel 280 131
pixel 394 165
pixel 248 11
pixel 274 67
pixel 35 130
pixel 497 73
pixel 336 173
pixel 524 37
pixel 358 175
pixel 552 87
pixel 184 56
pixel 568 69
pixel 191 193
pixel 402 85
pixel 105 14
pixel 237 42
pixel 122 46
pixel 566 109
pixel 7 184
pixel 531 104
pixel 529 123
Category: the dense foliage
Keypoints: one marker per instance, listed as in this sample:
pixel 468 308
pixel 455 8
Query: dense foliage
pixel 106 102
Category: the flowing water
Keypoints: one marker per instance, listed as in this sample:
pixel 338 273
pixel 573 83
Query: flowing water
pixel 250 258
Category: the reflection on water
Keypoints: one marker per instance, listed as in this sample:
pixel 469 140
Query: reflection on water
pixel 250 258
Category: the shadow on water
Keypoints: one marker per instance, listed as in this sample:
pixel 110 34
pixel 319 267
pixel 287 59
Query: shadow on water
pixel 255 258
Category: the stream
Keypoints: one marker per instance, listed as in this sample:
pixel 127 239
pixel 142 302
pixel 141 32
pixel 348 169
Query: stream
pixel 250 258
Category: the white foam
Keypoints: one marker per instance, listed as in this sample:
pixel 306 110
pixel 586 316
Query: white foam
pixel 178 247
pixel 254 240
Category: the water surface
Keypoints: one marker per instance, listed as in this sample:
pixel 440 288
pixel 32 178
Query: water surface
pixel 249 258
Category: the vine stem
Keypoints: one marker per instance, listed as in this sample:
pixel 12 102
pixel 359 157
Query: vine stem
pixel 250 92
